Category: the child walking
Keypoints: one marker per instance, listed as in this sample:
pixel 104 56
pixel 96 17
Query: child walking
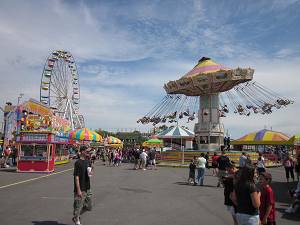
pixel 192 167
pixel 267 211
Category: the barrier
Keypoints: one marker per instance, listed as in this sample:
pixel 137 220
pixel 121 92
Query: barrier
pixel 173 156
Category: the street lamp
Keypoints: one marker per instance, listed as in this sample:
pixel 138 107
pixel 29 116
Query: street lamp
pixel 21 94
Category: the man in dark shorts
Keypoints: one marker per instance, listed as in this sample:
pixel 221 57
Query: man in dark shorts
pixel 222 160
pixel 137 157
pixel 82 188
pixel 152 158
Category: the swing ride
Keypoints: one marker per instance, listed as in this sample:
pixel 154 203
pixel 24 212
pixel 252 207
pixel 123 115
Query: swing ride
pixel 210 91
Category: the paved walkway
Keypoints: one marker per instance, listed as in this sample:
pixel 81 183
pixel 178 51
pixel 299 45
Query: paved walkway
pixel 124 196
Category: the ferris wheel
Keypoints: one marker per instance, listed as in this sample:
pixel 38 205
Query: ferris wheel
pixel 60 87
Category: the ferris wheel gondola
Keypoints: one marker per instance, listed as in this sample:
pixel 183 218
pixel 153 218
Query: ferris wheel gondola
pixel 60 87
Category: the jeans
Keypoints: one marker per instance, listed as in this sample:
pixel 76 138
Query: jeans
pixel 201 173
pixel 245 219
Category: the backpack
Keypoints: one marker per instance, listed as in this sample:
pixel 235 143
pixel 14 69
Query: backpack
pixel 288 163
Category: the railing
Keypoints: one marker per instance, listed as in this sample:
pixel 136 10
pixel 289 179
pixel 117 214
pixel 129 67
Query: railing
pixel 271 158
pixel 176 156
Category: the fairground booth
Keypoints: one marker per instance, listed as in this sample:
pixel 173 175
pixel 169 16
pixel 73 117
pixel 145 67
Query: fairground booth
pixel 42 139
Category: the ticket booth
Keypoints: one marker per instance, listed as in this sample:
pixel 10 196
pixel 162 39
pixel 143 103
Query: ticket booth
pixel 36 152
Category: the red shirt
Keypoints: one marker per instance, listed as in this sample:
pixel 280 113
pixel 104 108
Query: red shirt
pixel 6 152
pixel 266 197
pixel 214 159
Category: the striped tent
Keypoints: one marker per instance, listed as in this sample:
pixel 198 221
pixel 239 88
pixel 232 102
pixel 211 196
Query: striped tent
pixel 176 132
pixel 264 137
pixel 112 141
pixel 85 135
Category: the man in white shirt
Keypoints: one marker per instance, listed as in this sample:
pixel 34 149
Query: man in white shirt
pixel 144 159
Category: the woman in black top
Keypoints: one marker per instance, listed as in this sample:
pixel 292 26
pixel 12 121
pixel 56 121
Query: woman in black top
pixel 247 197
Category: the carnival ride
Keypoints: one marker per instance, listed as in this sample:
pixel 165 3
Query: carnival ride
pixel 208 92
pixel 60 88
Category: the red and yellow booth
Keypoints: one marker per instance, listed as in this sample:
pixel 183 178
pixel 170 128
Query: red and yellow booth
pixel 36 151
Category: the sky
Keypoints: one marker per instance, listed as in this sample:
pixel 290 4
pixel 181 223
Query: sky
pixel 126 50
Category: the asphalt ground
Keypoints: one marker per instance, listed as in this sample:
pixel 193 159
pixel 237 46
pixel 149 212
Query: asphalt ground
pixel 122 195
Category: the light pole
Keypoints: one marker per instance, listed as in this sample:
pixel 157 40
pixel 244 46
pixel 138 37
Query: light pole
pixel 17 115
pixel 21 94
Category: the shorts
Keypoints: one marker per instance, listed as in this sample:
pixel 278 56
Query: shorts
pixel 292 192
pixel 152 161
pixel 246 219
pixel 230 209
pixel 84 203
pixel 214 165
pixel 192 175
pixel 144 161
pixel 222 173
pixel 6 157
pixel 137 161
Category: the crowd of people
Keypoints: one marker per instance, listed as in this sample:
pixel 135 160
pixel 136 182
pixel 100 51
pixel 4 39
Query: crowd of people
pixel 142 158
pixel 243 200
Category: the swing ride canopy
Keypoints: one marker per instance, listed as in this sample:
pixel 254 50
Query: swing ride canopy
pixel 235 89
pixel 266 137
pixel 208 77
pixel 176 132
pixel 153 142
pixel 85 135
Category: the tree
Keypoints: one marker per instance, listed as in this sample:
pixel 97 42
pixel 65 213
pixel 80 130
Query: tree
pixel 163 127
pixel 104 133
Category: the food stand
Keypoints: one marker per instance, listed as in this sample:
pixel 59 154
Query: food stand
pixel 36 151
pixel 42 143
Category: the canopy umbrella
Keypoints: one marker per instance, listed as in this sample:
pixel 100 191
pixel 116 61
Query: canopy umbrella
pixel 112 141
pixel 85 135
pixel 153 142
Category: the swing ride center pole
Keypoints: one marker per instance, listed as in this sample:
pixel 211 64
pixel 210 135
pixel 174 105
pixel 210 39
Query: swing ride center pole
pixel 209 131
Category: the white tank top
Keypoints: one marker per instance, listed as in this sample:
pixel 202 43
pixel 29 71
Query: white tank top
pixel 260 163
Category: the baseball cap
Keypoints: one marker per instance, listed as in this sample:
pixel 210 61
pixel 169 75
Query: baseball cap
pixel 85 148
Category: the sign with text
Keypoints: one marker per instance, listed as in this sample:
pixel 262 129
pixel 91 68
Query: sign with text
pixel 35 137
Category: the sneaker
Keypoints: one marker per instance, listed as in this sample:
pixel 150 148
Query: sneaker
pixel 290 210
pixel 187 183
pixel 74 221
pixel 144 169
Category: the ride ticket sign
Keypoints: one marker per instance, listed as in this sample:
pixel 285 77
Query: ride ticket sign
pixel 35 137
